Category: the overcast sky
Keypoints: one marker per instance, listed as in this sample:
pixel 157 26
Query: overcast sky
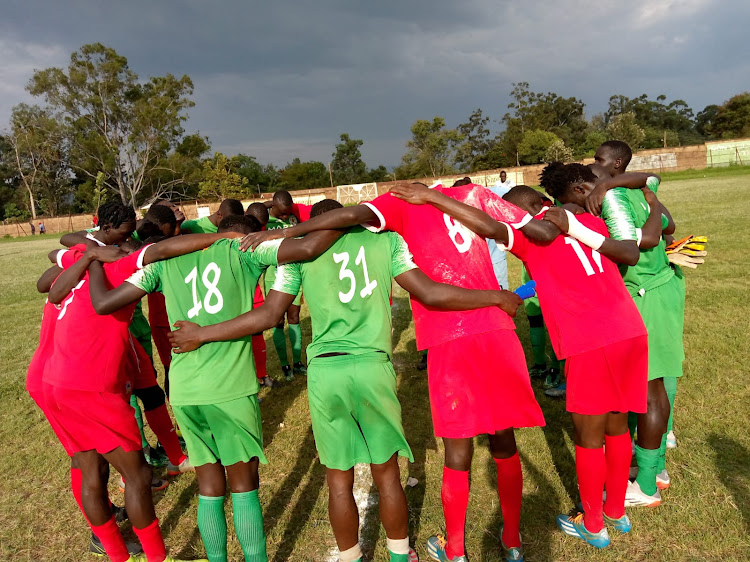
pixel 280 79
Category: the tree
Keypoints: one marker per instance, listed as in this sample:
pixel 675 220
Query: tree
pixel 624 128
pixel 732 118
pixel 705 118
pixel 472 153
pixel 558 152
pixel 347 166
pixel 115 123
pixel 534 146
pixel 221 180
pixel 431 150
pixel 304 175
pixel 379 174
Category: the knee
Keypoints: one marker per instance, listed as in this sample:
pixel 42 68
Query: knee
pixel 458 459
pixel 139 476
pixel 212 489
pixel 503 444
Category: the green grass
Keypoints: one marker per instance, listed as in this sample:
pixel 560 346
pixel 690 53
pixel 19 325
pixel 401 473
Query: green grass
pixel 705 515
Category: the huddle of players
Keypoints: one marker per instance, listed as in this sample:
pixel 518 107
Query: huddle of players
pixel 351 385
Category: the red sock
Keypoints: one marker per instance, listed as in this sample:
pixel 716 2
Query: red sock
pixel 591 470
pixel 455 496
pixel 160 422
pixel 617 453
pixel 112 540
pixel 259 354
pixel 75 485
pixel 152 542
pixel 510 492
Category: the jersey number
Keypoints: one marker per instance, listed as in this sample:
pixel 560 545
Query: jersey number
pixel 344 273
pixel 213 302
pixel 459 234
pixel 596 256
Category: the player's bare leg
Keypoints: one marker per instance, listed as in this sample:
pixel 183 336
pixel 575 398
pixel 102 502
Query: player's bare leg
pixel 342 509
pixel 652 427
pixel 394 511
pixel 509 489
pixel 94 496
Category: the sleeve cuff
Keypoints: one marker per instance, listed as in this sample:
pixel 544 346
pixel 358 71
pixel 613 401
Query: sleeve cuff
pixel 58 258
pixel 378 214
pixel 139 262
pixel 523 222
pixel 511 237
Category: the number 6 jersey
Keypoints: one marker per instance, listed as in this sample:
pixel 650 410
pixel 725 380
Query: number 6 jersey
pixel 209 287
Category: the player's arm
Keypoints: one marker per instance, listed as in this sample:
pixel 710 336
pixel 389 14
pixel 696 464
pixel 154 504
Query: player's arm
pixel 180 245
pixel 332 220
pixel 44 284
pixel 72 275
pixel 450 297
pixel 628 180
pixel 308 247
pixel 619 251
pixel 671 226
pixel 190 336
pixel 105 300
pixel 652 229
pixel 72 238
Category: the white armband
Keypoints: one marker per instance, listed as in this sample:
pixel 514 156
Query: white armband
pixel 590 238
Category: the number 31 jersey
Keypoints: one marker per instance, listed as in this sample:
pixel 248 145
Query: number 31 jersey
pixel 448 252
pixel 348 291
pixel 209 287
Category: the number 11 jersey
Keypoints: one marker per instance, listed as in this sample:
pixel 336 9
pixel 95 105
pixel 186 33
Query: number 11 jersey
pixel 209 287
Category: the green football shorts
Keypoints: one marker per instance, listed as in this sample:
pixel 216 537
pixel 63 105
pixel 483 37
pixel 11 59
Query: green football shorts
pixel 531 306
pixel 663 312
pixel 228 432
pixel 356 415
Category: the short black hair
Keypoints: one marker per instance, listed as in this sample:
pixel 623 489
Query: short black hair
pixel 556 178
pixel 324 206
pixel 160 214
pixel 148 229
pixel 244 224
pixel 283 197
pixel 523 196
pixel 462 181
pixel 259 211
pixel 114 214
pixel 230 207
pixel 620 150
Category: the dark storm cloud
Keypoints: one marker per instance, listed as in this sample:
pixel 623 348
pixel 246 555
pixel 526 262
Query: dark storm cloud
pixel 283 79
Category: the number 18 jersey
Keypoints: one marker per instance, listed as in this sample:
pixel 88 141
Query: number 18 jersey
pixel 348 291
pixel 209 287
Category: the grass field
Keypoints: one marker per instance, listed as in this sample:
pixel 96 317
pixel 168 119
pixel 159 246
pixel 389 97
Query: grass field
pixel 705 515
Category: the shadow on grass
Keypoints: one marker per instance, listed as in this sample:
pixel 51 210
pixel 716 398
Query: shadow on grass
pixel 558 427
pixel 732 461
pixel 181 505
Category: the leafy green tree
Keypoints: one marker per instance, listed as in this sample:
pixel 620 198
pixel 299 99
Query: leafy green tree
pixel 473 153
pixel 116 123
pixel 558 152
pixel 379 174
pixel 304 175
pixel 431 150
pixel 221 180
pixel 534 146
pixel 347 166
pixel 732 118
pixel 593 140
pixel 624 128
pixel 705 118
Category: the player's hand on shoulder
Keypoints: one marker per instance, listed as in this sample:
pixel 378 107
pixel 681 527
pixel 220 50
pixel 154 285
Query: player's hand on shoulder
pixel 509 302
pixel 254 239
pixel 414 193
pixel 106 254
pixel 185 337
pixel 557 216
pixel 595 199
pixel 650 196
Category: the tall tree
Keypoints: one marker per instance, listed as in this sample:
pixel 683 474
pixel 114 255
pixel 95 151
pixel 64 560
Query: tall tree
pixel 624 128
pixel 732 118
pixel 432 150
pixel 347 166
pixel 473 152
pixel 116 124
pixel 304 175
pixel 535 144
pixel 220 179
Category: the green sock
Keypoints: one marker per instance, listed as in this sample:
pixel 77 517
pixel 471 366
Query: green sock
pixel 212 525
pixel 661 463
pixel 647 460
pixel 138 418
pixel 670 385
pixel 295 336
pixel 279 342
pixel 560 364
pixel 398 557
pixel 538 337
pixel 248 524
pixel 632 423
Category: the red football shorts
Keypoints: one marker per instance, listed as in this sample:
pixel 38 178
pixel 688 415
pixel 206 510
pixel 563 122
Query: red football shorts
pixel 258 298
pixel 88 420
pixel 480 384
pixel 37 394
pixel 613 378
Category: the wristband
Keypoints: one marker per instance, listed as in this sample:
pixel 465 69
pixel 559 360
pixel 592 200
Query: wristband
pixel 590 238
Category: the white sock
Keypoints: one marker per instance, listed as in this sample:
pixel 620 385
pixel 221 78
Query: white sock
pixel 398 546
pixel 354 553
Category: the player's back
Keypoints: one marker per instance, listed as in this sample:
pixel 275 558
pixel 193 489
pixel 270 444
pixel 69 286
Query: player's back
pixel 348 292
pixel 209 287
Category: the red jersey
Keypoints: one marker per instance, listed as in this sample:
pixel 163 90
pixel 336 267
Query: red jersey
pixel 44 350
pixel 448 252
pixel 302 212
pixel 581 293
pixel 157 311
pixel 89 349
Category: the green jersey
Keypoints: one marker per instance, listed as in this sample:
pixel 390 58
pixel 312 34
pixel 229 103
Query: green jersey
pixel 349 289
pixel 209 287
pixel 140 329
pixel 270 275
pixel 625 211
pixel 198 226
